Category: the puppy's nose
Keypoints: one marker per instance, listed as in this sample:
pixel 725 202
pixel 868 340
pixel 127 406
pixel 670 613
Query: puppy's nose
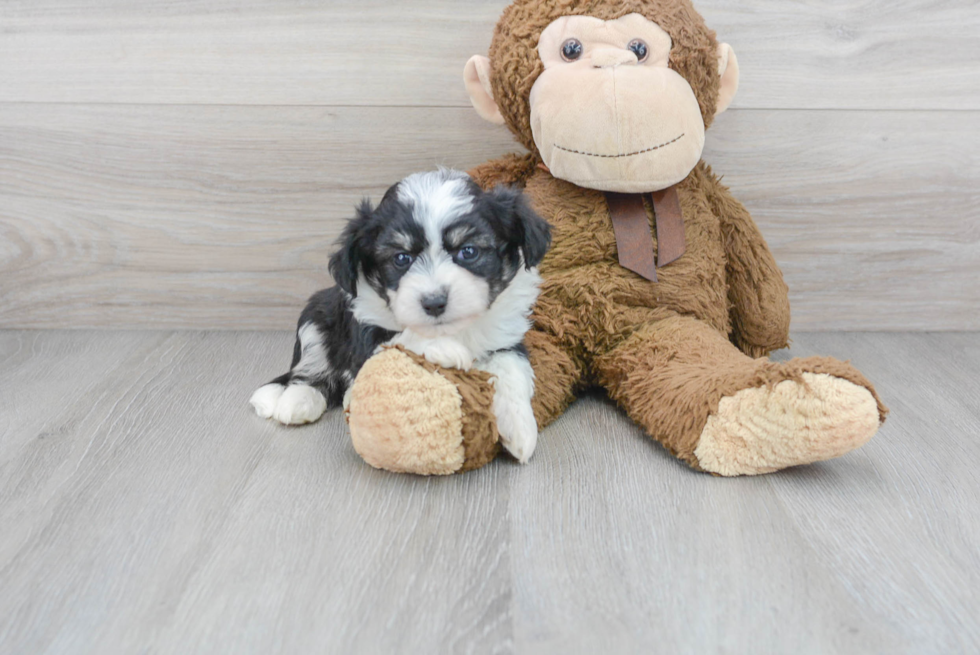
pixel 434 304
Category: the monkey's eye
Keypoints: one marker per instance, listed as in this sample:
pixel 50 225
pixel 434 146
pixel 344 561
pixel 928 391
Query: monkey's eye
pixel 571 49
pixel 638 48
pixel 403 260
pixel 468 253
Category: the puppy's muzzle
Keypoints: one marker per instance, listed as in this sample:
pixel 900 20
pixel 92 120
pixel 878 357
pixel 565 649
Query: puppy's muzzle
pixel 434 304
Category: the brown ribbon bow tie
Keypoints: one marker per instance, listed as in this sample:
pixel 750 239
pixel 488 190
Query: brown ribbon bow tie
pixel 634 242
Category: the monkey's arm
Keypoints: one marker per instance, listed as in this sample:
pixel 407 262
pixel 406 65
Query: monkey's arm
pixel 758 295
pixel 510 169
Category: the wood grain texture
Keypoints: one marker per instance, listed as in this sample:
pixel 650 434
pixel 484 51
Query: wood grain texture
pixel 223 217
pixel 145 509
pixel 873 217
pixel 918 54
pixel 207 216
pixel 209 530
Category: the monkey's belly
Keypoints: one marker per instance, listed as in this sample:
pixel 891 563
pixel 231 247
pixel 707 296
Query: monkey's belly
pixel 604 298
pixel 584 283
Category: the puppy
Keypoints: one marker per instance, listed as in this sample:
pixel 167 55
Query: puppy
pixel 441 268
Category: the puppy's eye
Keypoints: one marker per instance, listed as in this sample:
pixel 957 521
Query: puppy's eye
pixel 468 253
pixel 403 260
pixel 571 49
pixel 638 48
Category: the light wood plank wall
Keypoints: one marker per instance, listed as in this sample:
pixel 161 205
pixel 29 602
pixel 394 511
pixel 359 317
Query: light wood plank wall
pixel 188 165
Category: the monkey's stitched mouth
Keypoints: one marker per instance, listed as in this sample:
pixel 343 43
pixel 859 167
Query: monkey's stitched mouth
pixel 627 154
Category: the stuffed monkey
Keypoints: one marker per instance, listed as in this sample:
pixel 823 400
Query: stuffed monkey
pixel 658 286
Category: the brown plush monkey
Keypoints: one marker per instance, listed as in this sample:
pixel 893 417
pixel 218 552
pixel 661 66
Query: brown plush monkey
pixel 658 287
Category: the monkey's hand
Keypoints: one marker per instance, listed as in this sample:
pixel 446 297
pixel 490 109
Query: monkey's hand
pixel 409 415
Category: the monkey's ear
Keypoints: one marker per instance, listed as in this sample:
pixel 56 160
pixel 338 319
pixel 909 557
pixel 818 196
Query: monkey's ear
pixel 476 77
pixel 728 69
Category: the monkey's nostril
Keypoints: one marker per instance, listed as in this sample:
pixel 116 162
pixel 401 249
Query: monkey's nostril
pixel 612 57
pixel 435 304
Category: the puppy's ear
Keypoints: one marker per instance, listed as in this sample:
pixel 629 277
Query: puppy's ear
pixel 345 264
pixel 537 232
pixel 522 225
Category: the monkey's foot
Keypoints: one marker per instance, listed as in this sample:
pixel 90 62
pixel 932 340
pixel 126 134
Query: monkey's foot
pixel 411 416
pixel 764 429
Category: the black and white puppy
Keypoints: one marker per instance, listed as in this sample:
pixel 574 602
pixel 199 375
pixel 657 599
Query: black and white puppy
pixel 440 267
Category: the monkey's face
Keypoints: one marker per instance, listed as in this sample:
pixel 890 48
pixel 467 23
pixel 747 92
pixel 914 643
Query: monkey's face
pixel 608 101
pixel 607 112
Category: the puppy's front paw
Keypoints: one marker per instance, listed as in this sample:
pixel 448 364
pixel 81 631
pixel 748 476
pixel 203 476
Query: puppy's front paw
pixel 300 404
pixel 265 399
pixel 448 353
pixel 518 429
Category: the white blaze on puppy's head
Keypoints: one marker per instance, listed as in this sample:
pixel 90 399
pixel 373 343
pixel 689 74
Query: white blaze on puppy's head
pixel 436 292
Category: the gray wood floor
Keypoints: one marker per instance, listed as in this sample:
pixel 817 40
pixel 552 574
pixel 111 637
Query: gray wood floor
pixel 143 508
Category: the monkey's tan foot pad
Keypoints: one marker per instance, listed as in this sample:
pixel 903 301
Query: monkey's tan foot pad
pixel 764 429
pixel 408 415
